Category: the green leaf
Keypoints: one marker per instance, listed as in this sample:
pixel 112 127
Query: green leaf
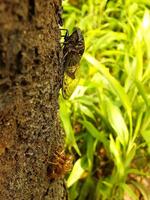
pixel 91 146
pixel 79 168
pixel 87 189
pixel 114 83
pixel 85 110
pixel 99 135
pixel 116 120
pixel 74 191
pixel 146 136
pixel 116 152
pixel 141 90
pixel 65 118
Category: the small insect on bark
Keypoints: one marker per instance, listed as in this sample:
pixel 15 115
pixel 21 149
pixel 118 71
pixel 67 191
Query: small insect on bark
pixel 73 49
pixel 61 164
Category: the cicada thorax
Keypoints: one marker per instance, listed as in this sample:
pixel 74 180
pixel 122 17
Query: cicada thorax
pixel 72 53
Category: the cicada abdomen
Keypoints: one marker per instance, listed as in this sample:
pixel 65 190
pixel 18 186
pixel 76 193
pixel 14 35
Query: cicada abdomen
pixel 72 53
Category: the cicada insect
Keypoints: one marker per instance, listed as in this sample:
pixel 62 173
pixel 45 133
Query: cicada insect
pixel 61 164
pixel 72 52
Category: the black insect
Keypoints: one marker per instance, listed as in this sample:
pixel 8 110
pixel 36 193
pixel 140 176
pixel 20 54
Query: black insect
pixel 73 49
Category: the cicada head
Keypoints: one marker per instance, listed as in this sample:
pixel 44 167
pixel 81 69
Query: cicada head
pixel 79 41
pixel 74 43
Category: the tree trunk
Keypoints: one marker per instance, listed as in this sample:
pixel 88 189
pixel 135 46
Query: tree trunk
pixel 30 79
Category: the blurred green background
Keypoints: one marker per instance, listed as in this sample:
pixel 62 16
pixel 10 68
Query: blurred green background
pixel 107 118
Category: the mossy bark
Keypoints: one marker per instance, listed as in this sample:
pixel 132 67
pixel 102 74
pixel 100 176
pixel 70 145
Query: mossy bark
pixel 30 79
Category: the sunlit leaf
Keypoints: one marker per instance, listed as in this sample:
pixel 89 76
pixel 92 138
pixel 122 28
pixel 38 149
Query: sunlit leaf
pixel 65 117
pixel 116 151
pixel 79 168
pixel 115 118
pixel 115 84
pixel 146 136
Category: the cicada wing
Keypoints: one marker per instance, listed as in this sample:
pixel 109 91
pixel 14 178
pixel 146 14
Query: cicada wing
pixel 71 60
pixel 70 83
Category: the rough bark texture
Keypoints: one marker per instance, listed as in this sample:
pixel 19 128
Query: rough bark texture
pixel 30 79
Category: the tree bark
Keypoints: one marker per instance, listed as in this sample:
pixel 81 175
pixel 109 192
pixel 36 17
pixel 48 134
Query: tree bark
pixel 30 79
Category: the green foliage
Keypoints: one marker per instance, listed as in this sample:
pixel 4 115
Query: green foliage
pixel 106 119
